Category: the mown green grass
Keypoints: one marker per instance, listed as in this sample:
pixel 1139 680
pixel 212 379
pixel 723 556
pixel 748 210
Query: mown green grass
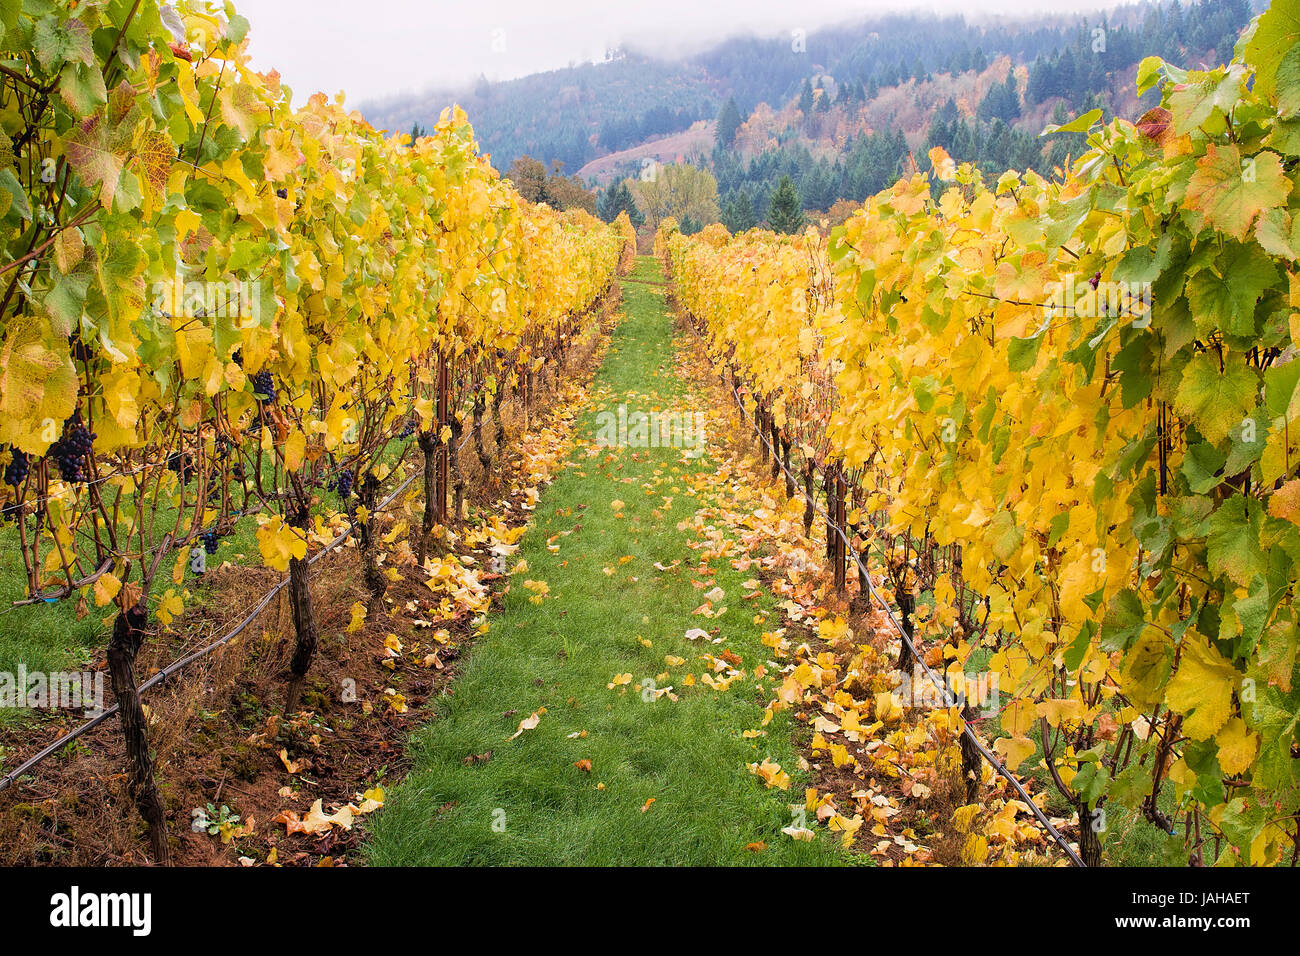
pixel 529 804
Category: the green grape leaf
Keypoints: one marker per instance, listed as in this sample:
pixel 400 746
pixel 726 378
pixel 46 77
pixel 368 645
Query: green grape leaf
pixel 1201 467
pixel 1274 715
pixel 1023 353
pixel 1247 620
pixel 1288 82
pixel 1194 104
pixel 56 43
pixel 1216 400
pixel 1224 297
pixel 1232 540
pixel 1276 33
pixel 1123 622
pixel 82 88
pixel 1080 124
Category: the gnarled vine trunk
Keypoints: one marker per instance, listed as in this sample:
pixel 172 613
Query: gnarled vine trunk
pixel 128 635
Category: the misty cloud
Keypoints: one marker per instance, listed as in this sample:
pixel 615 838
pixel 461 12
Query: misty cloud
pixel 382 48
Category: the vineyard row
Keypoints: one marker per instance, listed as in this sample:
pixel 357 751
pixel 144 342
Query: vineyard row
pixel 1057 412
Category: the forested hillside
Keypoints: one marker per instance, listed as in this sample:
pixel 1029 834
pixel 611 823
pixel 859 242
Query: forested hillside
pixel 859 86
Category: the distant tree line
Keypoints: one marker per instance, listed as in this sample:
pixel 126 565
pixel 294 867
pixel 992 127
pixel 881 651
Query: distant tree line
pixel 871 162
pixel 555 189
pixel 1084 66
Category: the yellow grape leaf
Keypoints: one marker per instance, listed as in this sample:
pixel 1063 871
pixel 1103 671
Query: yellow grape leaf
pixel 1015 750
pixel 37 383
pixel 295 449
pixel 279 543
pixel 106 587
pixel 1018 717
pixel 1202 688
pixel 975 850
pixel 170 607
pixel 1058 711
pixel 1237 747
pixel 963 817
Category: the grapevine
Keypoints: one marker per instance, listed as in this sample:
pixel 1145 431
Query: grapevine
pixel 1066 408
pixel 175 223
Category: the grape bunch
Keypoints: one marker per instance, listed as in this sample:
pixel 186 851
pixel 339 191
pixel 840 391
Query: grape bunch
pixel 16 470
pixel 71 451
pixel 210 542
pixel 264 386
pixel 182 464
pixel 80 350
pixel 408 429
pixel 343 484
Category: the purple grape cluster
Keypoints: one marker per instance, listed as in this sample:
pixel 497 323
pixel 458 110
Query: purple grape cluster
pixel 342 484
pixel 183 465
pixel 80 350
pixel 210 542
pixel 71 451
pixel 264 386
pixel 18 467
pixel 408 429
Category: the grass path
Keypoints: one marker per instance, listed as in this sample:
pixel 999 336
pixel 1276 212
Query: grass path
pixel 608 612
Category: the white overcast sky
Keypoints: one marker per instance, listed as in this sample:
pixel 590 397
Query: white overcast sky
pixel 375 48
